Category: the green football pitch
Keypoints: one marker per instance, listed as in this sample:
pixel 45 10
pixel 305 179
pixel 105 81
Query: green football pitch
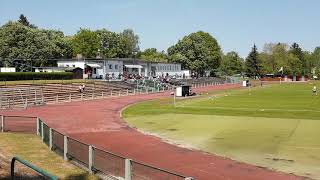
pixel 275 126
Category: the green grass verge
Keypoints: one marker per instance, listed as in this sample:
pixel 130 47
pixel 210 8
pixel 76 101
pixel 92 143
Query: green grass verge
pixel 274 126
pixel 31 148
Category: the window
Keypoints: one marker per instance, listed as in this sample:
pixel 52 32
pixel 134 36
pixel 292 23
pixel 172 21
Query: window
pixel 67 65
pixel 110 66
pixel 73 65
pixel 116 66
pixel 94 70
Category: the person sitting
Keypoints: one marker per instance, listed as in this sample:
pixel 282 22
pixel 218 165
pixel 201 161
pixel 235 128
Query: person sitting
pixel 80 89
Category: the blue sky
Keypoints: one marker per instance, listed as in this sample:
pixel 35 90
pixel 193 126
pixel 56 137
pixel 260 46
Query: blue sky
pixel 236 24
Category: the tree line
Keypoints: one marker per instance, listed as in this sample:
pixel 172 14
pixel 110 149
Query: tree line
pixel 24 45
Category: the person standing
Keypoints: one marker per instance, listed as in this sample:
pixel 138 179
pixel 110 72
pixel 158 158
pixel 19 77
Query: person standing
pixel 314 90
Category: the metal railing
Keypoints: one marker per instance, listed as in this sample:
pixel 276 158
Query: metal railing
pixel 90 157
pixel 31 166
pixel 11 98
pixel 15 98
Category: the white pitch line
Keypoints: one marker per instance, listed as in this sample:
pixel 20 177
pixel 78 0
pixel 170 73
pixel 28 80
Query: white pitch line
pixel 253 109
pixel 300 147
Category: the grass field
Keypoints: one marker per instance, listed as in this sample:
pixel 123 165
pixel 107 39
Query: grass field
pixel 31 148
pixel 274 126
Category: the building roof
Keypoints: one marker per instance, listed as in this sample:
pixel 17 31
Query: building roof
pixel 125 60
pixel 60 68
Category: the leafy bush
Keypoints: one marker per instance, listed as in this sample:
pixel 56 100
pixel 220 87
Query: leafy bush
pixel 13 76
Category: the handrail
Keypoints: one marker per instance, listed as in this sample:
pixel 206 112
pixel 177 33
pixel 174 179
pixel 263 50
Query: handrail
pixel 33 167
pixel 157 168
pixel 19 116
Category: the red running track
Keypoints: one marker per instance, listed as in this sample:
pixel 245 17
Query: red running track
pixel 98 122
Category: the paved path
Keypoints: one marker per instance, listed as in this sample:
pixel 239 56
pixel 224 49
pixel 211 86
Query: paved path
pixel 98 122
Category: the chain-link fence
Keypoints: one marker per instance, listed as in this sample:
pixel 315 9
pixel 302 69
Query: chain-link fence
pixel 23 124
pixel 93 158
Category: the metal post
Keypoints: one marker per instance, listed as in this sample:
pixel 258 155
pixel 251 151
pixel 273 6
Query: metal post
pixel 1 99
pixel 127 169
pixel 90 159
pixel 94 90
pixel 38 128
pixel 65 148
pixel 42 95
pixel 119 92
pixel 2 123
pixel 174 99
pixel 102 94
pixel 57 98
pixel 127 92
pixel 134 91
pixel 26 103
pixel 147 90
pixel 70 97
pixel 111 92
pixel 42 136
pixel 81 96
pixel 50 139
pixel 35 96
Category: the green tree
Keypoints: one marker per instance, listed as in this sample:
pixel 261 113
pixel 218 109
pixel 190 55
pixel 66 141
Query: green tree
pixel 252 63
pixel 24 21
pixel 313 61
pixel 31 45
pixel 316 56
pixel 129 44
pixel 110 45
pixel 85 42
pixel 231 64
pixel 293 65
pixel 273 57
pixel 198 52
pixel 151 54
pixel 298 53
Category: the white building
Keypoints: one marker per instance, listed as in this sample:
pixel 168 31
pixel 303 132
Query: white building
pixel 152 69
pixel 95 68
pixel 166 69
pixel 116 68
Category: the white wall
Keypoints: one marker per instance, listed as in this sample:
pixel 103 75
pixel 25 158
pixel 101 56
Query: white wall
pixel 75 64
pixel 113 67
pixel 161 69
pixel 48 70
pixel 7 69
pixel 172 69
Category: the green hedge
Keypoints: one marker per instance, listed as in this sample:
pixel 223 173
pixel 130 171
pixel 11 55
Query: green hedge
pixel 13 76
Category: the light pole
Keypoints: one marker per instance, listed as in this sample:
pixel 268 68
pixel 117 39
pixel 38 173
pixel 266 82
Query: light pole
pixel 174 99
